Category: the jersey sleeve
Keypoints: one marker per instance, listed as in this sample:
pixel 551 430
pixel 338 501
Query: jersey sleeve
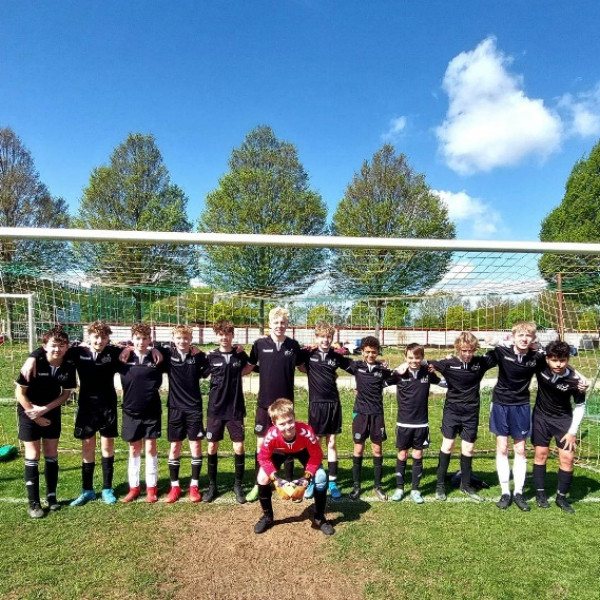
pixel 315 453
pixel 253 360
pixel 266 452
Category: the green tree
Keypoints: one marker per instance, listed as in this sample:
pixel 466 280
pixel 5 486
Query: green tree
pixel 320 313
pixel 26 202
pixel 134 192
pixel 265 191
pixel 576 219
pixel 388 199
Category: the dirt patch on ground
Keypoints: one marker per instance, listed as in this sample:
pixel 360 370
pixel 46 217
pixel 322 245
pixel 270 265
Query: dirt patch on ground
pixel 218 556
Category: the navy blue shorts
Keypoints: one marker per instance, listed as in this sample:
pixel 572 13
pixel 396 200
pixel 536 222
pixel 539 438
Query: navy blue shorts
pixel 511 420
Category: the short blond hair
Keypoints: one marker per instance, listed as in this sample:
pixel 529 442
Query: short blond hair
pixel 280 312
pixel 182 330
pixel 466 338
pixel 324 330
pixel 141 329
pixel 527 326
pixel 282 407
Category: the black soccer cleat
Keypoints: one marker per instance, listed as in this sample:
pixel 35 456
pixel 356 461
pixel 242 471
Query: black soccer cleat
pixel 562 503
pixel 210 494
pixel 380 494
pixel 355 493
pixel 471 493
pixel 324 525
pixel 238 491
pixel 35 511
pixel 264 523
pixel 440 492
pixel 53 503
pixel 541 499
pixel 521 503
pixel 504 502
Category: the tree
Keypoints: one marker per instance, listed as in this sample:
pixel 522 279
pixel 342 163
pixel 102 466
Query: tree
pixel 26 202
pixel 576 219
pixel 134 192
pixel 388 199
pixel 265 191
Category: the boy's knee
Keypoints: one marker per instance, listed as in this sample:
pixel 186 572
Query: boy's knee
pixel 320 479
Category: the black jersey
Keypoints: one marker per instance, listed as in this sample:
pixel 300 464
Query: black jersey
pixel 463 378
pixel 412 395
pixel 514 374
pixel 321 371
pixel 185 373
pixel 226 396
pixel 276 368
pixel 141 380
pixel 370 381
pixel 48 382
pixel 554 394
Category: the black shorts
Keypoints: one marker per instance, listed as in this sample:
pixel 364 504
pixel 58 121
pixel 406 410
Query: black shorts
pixel 92 419
pixel 182 424
pixel 365 426
pixel 136 428
pixel 215 429
pixel 325 417
pixel 412 437
pixel 262 421
pixel 462 420
pixel 30 431
pixel 278 458
pixel 545 428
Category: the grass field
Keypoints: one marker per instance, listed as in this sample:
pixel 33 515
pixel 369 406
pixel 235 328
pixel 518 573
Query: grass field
pixel 456 549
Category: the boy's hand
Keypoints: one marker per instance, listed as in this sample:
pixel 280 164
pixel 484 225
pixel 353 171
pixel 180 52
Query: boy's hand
pixel 303 481
pixel 401 369
pixel 28 369
pixel 125 354
pixel 36 411
pixel 583 384
pixel 42 421
pixel 157 357
pixel 570 442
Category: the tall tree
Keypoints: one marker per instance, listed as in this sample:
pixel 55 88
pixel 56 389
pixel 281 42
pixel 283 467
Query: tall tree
pixel 388 199
pixel 265 191
pixel 134 192
pixel 26 202
pixel 576 219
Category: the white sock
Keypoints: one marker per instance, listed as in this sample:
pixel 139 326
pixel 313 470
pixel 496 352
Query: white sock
pixel 503 468
pixel 133 471
pixel 151 470
pixel 519 472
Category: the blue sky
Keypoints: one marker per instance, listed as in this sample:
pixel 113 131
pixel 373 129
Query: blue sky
pixel 493 101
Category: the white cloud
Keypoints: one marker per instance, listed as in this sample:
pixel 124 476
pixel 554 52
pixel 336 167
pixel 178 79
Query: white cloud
pixel 490 121
pixel 397 126
pixel 478 219
pixel 583 112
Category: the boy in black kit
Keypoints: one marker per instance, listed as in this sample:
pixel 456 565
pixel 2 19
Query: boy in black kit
pixel 553 417
pixel 463 374
pixel 141 379
pixel 39 414
pixel 412 380
pixel 277 357
pixel 368 420
pixel 226 407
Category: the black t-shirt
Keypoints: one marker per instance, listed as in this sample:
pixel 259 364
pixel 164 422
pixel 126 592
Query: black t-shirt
pixel 514 374
pixel 226 397
pixel 141 380
pixel 185 373
pixel 554 394
pixel 463 379
pixel 370 381
pixel 276 368
pixel 412 395
pixel 321 372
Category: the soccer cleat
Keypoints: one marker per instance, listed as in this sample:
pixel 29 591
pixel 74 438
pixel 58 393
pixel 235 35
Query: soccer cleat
pixel 252 495
pixel 324 525
pixel 35 511
pixel 310 491
pixel 83 498
pixel 238 492
pixel 210 494
pixel 151 495
pixel 398 495
pixel 108 496
pixel 334 490
pixel 415 496
pixel 471 493
pixel 541 499
pixel 53 503
pixel 173 495
pixel 132 495
pixel 195 495
pixel 355 493
pixel 440 492
pixel 562 503
pixel 521 502
pixel 264 523
pixel 381 495
pixel 504 502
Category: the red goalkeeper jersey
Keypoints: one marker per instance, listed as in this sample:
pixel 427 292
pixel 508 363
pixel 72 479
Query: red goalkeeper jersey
pixel 305 440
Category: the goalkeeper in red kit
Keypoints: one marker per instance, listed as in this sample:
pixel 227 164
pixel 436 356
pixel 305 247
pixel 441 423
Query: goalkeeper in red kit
pixel 290 437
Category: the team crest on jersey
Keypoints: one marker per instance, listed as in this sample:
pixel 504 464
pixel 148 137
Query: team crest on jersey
pixel 209 435
pixel 425 379
pixel 332 363
pixel 531 363
pixel 563 387
pixel 377 374
pixel 475 368
pixel 62 376
pixel 105 359
pixel 288 353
